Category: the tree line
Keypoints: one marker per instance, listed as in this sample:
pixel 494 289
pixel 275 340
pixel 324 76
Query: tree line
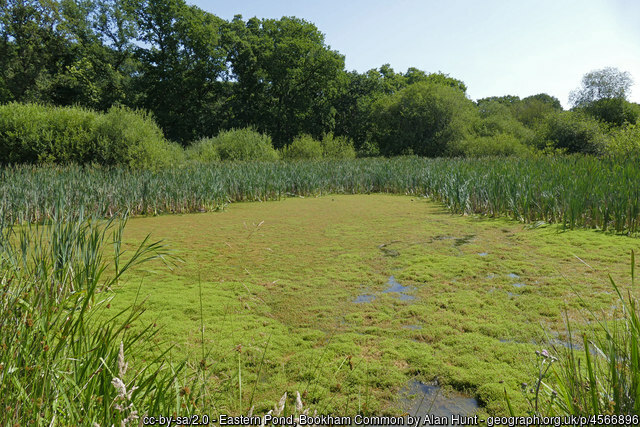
pixel 199 75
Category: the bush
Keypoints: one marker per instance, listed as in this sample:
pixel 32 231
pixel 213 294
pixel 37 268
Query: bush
pixel 369 149
pixel 501 144
pixel 234 144
pixel 624 141
pixel 337 147
pixel 572 131
pixel 303 147
pixel 613 111
pixel 34 133
pixel 131 137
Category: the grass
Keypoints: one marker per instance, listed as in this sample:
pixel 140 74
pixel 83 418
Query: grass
pixel 601 379
pixel 583 192
pixel 61 362
pixel 277 283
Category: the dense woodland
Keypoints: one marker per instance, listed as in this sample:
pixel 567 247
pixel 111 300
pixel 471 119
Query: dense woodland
pixel 183 76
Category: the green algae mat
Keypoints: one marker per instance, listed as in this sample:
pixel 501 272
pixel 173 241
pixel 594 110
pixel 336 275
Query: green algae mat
pixel 352 300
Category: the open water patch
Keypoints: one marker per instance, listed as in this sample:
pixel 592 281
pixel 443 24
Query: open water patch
pixel 364 298
pixel 401 290
pixel 420 399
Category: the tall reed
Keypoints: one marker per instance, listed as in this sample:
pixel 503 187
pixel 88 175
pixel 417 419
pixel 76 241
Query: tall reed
pixel 63 360
pixel 576 191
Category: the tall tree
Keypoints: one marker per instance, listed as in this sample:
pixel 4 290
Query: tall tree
pixel 31 43
pixel 607 83
pixel 182 64
pixel 286 77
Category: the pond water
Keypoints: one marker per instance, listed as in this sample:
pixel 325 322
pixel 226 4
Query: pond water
pixel 420 399
pixel 401 290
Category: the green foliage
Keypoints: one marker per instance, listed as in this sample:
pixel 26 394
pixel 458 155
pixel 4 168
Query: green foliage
pixel 422 119
pixel 32 133
pixel 613 111
pixel 600 374
pixel 572 131
pixel 577 191
pixel 368 149
pixel 303 147
pixel 63 359
pixel 182 65
pixel 499 144
pixel 287 77
pixel 607 83
pixel 337 147
pixel 533 109
pixel 234 144
pixel 133 138
pixel 624 142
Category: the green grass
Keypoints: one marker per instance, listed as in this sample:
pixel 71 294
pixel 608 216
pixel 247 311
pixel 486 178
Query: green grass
pixel 277 282
pixel 61 362
pixel 573 191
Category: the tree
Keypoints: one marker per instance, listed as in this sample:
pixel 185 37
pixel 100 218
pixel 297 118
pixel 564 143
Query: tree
pixel 606 83
pixel 573 131
pixel 30 44
pixel 182 65
pixel 613 111
pixel 533 109
pixel 286 77
pixel 423 119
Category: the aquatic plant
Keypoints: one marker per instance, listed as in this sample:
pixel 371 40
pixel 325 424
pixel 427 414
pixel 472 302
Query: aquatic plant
pixel 576 191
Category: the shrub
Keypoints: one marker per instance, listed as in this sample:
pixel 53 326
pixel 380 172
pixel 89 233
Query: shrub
pixel 624 141
pixel 613 111
pixel 34 133
pixel 369 149
pixel 234 144
pixel 572 131
pixel 337 147
pixel 203 151
pixel 501 144
pixel 303 147
pixel 132 137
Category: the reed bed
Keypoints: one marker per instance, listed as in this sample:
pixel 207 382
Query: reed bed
pixel 576 191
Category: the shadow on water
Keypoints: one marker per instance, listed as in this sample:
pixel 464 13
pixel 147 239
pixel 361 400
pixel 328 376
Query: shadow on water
pixel 421 399
pixel 463 240
pixel 396 287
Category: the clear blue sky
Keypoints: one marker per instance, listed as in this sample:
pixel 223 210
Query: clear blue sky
pixel 497 47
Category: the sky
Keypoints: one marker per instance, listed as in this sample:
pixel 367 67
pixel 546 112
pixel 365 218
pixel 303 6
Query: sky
pixel 497 47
